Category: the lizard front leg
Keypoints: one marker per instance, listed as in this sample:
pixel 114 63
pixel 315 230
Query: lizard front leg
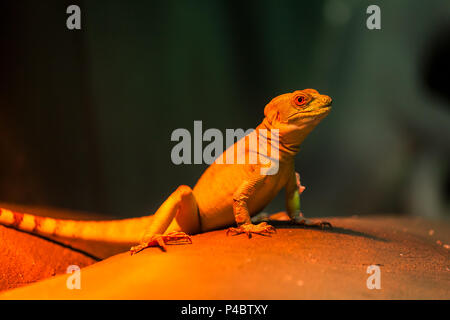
pixel 293 190
pixel 241 213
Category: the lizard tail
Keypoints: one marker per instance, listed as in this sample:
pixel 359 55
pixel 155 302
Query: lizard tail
pixel 118 231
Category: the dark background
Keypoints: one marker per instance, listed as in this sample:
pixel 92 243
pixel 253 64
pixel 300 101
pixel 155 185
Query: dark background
pixel 86 115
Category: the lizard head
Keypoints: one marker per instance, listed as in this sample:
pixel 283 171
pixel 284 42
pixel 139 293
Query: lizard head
pixel 295 114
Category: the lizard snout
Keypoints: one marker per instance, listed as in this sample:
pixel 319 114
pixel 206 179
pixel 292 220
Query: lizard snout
pixel 326 100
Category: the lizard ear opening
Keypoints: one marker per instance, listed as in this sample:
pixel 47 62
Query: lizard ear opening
pixel 270 112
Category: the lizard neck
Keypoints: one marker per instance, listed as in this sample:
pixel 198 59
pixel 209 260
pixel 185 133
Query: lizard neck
pixel 286 147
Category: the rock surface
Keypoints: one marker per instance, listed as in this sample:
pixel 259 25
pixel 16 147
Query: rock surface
pixel 295 263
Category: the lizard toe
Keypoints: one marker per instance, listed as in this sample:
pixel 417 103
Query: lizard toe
pixel 161 240
pixel 249 229
pixel 310 223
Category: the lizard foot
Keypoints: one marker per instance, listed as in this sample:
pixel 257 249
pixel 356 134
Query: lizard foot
pixel 161 240
pixel 309 223
pixel 263 229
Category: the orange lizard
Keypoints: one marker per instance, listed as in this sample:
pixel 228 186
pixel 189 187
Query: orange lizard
pixel 225 194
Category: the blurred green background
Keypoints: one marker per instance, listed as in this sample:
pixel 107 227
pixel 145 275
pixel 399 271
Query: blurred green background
pixel 86 115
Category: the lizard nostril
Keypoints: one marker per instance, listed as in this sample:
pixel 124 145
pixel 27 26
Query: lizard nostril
pixel 327 100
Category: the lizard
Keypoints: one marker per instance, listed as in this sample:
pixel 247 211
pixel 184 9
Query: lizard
pixel 226 193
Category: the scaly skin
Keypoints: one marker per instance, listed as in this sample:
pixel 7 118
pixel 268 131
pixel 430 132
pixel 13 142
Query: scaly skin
pixel 226 193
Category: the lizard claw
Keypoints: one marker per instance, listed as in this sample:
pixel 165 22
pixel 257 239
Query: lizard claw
pixel 161 240
pixel 263 229
pixel 309 223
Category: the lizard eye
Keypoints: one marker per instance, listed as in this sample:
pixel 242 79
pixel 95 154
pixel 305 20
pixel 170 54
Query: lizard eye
pixel 300 100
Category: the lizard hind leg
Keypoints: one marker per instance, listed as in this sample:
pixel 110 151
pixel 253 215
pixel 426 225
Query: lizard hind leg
pixel 175 219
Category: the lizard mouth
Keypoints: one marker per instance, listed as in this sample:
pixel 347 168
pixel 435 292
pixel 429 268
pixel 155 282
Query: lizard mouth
pixel 325 109
pixel 312 114
pixel 322 111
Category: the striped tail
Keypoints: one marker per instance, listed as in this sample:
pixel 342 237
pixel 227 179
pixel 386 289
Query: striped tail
pixel 115 231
